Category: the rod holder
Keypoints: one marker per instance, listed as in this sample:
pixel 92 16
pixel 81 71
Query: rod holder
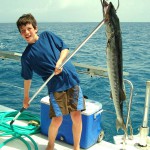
pixel 144 131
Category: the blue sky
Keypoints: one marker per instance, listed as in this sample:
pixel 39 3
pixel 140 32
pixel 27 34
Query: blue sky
pixel 72 10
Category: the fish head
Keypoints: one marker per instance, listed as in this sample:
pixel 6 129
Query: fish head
pixel 108 10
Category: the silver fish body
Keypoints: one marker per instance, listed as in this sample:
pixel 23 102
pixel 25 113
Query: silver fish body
pixel 114 62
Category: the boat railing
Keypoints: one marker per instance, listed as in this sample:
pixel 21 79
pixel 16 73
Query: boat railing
pixel 81 68
pixel 128 120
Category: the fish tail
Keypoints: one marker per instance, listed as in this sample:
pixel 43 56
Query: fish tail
pixel 120 124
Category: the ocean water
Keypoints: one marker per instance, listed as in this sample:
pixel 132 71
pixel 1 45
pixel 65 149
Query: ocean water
pixel 136 61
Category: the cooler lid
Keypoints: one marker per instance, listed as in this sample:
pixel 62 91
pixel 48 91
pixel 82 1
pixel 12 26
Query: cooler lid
pixel 91 107
pixel 45 100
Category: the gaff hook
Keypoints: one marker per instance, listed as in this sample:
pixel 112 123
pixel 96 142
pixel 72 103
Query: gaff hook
pixel 104 2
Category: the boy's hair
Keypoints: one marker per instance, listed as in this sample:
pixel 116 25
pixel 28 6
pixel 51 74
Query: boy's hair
pixel 26 19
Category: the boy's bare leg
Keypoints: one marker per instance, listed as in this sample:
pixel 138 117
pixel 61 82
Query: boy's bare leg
pixel 53 130
pixel 76 128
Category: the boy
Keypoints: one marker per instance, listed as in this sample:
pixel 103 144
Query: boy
pixel 44 55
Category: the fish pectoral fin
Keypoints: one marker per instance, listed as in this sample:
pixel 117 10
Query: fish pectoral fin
pixel 123 95
pixel 111 95
pixel 120 124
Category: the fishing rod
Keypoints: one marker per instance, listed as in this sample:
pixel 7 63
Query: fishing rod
pixel 51 76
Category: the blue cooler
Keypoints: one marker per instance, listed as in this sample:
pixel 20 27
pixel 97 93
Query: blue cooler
pixel 91 120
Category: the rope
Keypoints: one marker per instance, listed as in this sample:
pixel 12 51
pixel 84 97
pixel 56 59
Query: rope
pixel 19 132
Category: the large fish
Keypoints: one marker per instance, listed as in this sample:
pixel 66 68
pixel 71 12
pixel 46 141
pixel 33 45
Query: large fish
pixel 114 61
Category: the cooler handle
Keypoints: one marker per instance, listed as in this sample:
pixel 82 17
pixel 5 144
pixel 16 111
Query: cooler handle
pixel 97 113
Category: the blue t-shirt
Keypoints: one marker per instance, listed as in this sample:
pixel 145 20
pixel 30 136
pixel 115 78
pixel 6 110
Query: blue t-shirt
pixel 41 57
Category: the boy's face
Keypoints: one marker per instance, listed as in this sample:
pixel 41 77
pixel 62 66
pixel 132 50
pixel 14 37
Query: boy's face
pixel 29 33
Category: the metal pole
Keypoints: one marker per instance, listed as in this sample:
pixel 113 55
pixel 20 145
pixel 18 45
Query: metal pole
pixel 130 102
pixel 147 102
pixel 144 129
pixel 44 84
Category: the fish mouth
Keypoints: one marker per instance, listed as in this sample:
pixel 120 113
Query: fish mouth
pixel 106 9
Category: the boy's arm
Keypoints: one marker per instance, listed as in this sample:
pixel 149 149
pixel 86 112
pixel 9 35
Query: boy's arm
pixel 63 56
pixel 27 84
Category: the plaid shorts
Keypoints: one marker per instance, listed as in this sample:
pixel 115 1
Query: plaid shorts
pixel 64 102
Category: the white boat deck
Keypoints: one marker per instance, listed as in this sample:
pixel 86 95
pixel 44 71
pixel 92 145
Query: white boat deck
pixel 41 142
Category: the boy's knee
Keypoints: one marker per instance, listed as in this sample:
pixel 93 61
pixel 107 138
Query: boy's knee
pixel 56 121
pixel 76 116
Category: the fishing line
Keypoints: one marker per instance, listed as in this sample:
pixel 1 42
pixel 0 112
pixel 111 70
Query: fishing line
pixel 18 87
pixel 118 5
pixel 104 110
pixel 4 83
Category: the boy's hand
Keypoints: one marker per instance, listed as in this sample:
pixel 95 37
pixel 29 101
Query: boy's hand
pixel 26 102
pixel 58 65
pixel 58 71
